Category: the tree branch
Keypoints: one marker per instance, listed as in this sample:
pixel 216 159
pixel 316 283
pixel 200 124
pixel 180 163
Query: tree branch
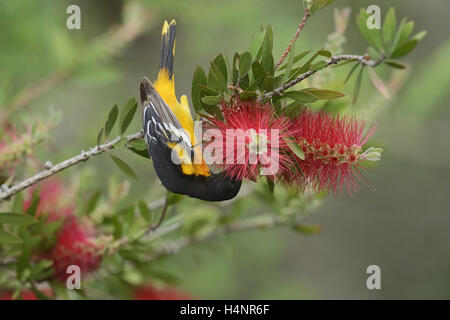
pixel 294 38
pixel 6 192
pixel 364 60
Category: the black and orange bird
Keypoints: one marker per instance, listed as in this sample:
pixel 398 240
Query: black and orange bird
pixel 169 134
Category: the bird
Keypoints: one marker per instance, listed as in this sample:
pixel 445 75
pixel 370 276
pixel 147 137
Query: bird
pixel 169 134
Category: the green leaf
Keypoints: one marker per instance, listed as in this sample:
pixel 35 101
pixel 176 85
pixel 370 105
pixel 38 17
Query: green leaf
pixel 145 211
pixel 395 64
pixel 99 137
pixel 296 59
pixel 138 144
pixel 92 202
pixel 294 146
pixel 289 64
pixel 128 113
pixel 211 100
pixel 300 96
pixel 323 94
pixel 389 26
pixel 142 153
pixel 318 66
pixel 255 46
pixel 245 62
pixel 268 83
pixel 215 78
pixel 124 167
pixel 352 70
pixel 9 238
pixel 419 36
pixel 405 32
pixel 208 90
pixel 199 78
pixel 372 36
pixel 325 53
pixel 267 47
pixel 219 61
pixel 258 70
pixel 315 5
pixel 404 49
pixel 112 118
pixel 357 86
pixel 15 218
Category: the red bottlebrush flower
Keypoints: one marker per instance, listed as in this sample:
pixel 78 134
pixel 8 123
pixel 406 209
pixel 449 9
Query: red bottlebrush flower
pixel 149 292
pixel 74 245
pixel 249 141
pixel 332 145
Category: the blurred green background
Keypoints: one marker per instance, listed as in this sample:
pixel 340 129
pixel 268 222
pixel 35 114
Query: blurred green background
pixel 402 225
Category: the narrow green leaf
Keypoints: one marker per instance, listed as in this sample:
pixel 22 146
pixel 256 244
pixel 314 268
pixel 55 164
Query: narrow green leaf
pixel 395 41
pixel 112 118
pixel 395 64
pixel 419 36
pixel 8 238
pixel 15 218
pixel 219 61
pixel 255 46
pixel 318 66
pixel 245 63
pixel 268 83
pixel 127 115
pixel 323 94
pixel 325 53
pixel 297 58
pixel 199 78
pixel 357 86
pixel 208 90
pixel 126 169
pixel 404 49
pixel 235 68
pixel 294 146
pixel 300 96
pixel 92 202
pixel 138 144
pixel 211 100
pixel 372 36
pixel 99 137
pixel 352 70
pixel 267 47
pixel 405 32
pixel 258 70
pixel 215 78
pixel 289 64
pixel 389 26
pixel 142 153
pixel 145 211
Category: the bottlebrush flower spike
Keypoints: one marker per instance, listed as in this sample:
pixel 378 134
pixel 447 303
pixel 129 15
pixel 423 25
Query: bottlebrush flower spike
pixel 333 151
pixel 249 141
pixel 75 241
pixel 75 245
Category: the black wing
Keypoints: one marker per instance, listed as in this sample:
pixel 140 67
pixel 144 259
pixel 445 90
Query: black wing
pixel 159 122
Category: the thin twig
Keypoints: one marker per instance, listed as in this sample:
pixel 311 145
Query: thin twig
pixel 294 38
pixel 364 60
pixel 161 218
pixel 6 192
